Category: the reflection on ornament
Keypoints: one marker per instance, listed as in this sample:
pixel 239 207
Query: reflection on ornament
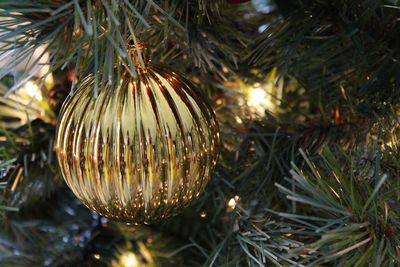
pixel 139 152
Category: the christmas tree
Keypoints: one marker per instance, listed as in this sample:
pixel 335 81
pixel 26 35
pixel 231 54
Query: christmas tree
pixel 122 99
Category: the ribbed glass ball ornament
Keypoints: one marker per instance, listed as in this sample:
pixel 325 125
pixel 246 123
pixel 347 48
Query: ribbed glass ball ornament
pixel 140 152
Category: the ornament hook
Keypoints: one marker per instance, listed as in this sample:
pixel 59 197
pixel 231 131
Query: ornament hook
pixel 137 51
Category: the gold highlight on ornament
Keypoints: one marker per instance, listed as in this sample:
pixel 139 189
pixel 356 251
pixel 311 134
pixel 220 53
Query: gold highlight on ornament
pixel 139 152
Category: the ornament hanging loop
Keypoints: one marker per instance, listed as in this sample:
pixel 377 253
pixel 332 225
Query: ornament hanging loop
pixel 137 50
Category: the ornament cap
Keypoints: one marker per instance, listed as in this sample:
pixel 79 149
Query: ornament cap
pixel 138 52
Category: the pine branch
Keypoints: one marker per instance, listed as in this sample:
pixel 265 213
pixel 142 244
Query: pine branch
pixel 344 52
pixel 91 36
pixel 31 174
pixel 344 210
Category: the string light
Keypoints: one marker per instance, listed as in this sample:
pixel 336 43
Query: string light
pixel 256 100
pixel 96 256
pixel 203 214
pixel 265 96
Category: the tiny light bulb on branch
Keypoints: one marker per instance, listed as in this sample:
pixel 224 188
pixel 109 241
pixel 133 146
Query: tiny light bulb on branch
pixel 266 96
pixel 257 100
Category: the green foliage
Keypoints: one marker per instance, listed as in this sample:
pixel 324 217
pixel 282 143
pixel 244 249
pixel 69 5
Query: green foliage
pixel 342 211
pixel 339 61
pixel 349 210
pixel 341 52
pixel 91 36
pixel 28 163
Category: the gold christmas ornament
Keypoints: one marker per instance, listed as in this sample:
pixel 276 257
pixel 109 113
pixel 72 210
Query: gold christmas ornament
pixel 141 152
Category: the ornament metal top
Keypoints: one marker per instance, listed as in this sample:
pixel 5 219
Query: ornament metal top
pixel 141 152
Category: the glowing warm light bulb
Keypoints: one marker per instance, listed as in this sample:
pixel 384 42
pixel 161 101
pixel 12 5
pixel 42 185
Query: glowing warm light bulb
pixel 259 100
pixel 128 259
pixel 257 97
pixel 265 96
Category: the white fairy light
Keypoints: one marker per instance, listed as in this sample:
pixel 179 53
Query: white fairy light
pixel 258 100
pixel 265 96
